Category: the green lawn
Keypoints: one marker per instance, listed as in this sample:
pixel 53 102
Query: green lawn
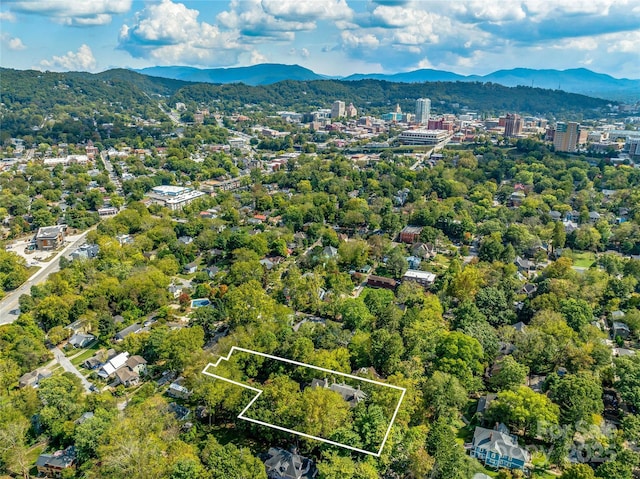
pixel 584 259
pixel 86 354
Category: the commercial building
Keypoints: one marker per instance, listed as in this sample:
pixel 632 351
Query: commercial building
pixel 512 125
pixel 422 136
pixel 423 278
pixel 410 234
pixel 567 136
pixel 173 197
pixel 50 237
pixel 213 186
pixel 633 146
pixel 351 111
pixel 423 109
pixel 338 109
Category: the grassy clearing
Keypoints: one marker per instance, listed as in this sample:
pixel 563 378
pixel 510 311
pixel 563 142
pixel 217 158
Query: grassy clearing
pixel 84 355
pixel 584 259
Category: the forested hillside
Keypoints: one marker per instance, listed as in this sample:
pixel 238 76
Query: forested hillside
pixel 32 98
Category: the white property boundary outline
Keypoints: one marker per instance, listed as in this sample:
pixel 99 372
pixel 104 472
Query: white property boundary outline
pixel 297 363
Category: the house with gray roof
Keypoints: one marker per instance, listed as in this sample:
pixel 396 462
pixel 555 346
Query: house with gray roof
pixel 134 328
pixel 350 394
pixel 52 465
pixel 282 464
pixel 497 448
pixel 81 340
pixel 33 378
pixel 620 329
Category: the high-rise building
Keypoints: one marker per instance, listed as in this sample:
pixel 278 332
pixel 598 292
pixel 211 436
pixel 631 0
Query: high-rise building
pixel 566 136
pixel 337 109
pixel 512 125
pixel 351 111
pixel 423 108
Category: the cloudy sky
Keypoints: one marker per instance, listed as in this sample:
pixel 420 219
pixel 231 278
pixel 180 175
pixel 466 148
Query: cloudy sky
pixel 334 37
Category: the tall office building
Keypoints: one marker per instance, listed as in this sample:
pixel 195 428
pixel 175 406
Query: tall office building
pixel 566 136
pixel 512 125
pixel 423 108
pixel 337 109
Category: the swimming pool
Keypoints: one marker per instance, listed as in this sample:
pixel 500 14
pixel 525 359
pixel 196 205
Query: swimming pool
pixel 196 303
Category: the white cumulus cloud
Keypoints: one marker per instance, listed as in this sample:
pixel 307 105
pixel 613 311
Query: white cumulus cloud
pixel 73 12
pixel 295 10
pixel 82 60
pixel 170 33
pixel 250 18
pixel 13 43
pixel 7 17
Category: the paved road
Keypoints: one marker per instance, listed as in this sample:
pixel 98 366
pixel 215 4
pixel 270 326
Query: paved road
pixel 68 366
pixel 10 302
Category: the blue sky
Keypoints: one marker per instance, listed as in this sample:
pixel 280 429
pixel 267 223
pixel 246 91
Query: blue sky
pixel 334 37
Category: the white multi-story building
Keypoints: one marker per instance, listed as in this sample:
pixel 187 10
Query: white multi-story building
pixel 423 109
pixel 173 197
pixel 423 136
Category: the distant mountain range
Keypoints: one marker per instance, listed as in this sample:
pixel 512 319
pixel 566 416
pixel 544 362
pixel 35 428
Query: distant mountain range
pixel 577 80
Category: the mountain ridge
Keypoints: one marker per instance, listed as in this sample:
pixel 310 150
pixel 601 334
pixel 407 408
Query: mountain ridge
pixel 573 80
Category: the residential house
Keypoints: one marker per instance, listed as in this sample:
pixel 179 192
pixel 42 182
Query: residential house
pixel 177 390
pixel 109 368
pixel 180 412
pixel 86 251
pixel 134 328
pixel 175 290
pixel 53 465
pixel 413 261
pixel 529 289
pixel 282 464
pixel 516 198
pixel 524 264
pixel 572 216
pixel 497 448
pixel 620 329
pixel 484 402
pixel 350 394
pixel 185 240
pixel 33 378
pixel 569 227
pixel 99 359
pixel 329 252
pixel 267 263
pixel 212 271
pixel 79 326
pixel 137 364
pixel 519 327
pixel 594 216
pixel 81 340
pixel 50 237
pixel 536 382
pixel 190 268
pixel 555 215
pixel 424 250
pixel 423 278
pixel 374 281
pixel 617 315
pixel 410 234
pixel 126 377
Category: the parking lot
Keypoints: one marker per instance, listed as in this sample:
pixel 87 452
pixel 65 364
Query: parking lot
pixel 34 257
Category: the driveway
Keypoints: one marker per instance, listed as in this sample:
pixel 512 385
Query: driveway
pixel 67 366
